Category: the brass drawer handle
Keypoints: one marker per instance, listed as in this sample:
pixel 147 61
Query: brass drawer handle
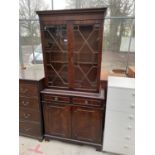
pixel 25 103
pixel 24 90
pixel 27 115
pixel 56 98
pixel 27 129
pixel 86 102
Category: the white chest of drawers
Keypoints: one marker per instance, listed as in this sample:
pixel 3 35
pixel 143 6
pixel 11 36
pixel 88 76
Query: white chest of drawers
pixel 120 116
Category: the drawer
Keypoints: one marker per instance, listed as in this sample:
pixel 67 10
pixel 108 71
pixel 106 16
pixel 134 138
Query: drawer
pixel 27 114
pixel 47 97
pixel 26 102
pixel 118 147
pixel 28 90
pixel 87 102
pixel 119 126
pixel 120 99
pixel 28 128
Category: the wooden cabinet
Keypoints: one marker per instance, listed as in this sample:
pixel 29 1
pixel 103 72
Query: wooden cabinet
pixel 30 109
pixel 119 122
pixel 57 120
pixel 72 48
pixel 73 103
pixel 74 116
pixel 87 124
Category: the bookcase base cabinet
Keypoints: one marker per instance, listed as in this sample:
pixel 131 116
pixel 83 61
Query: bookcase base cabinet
pixel 73 119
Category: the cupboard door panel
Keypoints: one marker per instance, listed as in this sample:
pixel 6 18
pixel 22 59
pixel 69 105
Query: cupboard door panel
pixel 57 120
pixel 87 124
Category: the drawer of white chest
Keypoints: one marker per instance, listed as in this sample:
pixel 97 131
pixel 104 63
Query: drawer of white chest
pixel 119 126
pixel 120 99
pixel 119 148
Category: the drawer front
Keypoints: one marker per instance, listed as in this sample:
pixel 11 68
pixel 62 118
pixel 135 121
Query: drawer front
pixel 118 147
pixel 87 102
pixel 32 103
pixel 28 90
pixel 31 129
pixel 49 98
pixel 120 99
pixel 119 127
pixel 27 114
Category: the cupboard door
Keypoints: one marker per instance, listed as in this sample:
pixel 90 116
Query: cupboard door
pixel 57 120
pixel 87 124
pixel 87 55
pixel 56 55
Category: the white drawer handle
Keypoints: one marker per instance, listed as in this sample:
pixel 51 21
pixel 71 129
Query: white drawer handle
pixel 129 127
pixel 131 117
pixel 133 94
pixel 127 137
pixel 132 106
pixel 125 146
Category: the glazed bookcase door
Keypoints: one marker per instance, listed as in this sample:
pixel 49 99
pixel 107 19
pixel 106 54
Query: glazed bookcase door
pixel 56 55
pixel 72 54
pixel 86 56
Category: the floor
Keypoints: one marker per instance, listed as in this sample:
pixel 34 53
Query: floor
pixel 28 146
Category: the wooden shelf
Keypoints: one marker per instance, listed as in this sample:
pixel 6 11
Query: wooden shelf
pixel 86 63
pixel 55 51
pixel 62 62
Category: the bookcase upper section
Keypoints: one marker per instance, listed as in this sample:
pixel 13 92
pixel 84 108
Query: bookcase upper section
pixel 72 48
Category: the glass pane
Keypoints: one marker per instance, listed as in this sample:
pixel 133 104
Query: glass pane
pixel 56 38
pixel 57 75
pixel 30 46
pixel 86 43
pixel 55 46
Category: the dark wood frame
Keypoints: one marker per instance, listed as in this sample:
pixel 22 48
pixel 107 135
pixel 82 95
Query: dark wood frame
pixel 71 105
pixel 70 17
pixel 94 97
